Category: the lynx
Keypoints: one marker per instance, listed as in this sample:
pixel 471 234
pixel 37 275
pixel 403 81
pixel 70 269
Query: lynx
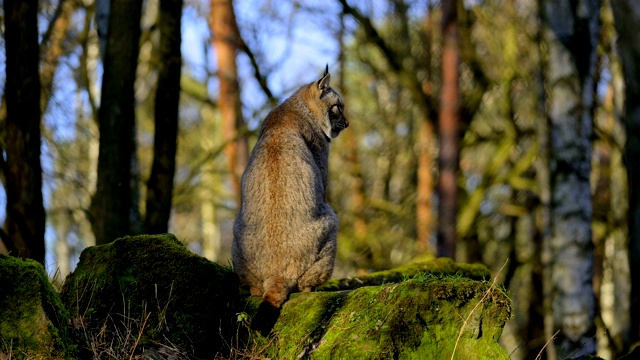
pixel 285 232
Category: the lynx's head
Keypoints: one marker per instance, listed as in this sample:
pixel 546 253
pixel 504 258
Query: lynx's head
pixel 327 106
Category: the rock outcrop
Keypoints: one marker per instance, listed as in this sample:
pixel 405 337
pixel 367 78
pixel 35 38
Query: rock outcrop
pixel 149 296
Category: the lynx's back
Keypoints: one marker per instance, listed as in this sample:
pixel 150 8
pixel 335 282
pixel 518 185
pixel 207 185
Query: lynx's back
pixel 285 233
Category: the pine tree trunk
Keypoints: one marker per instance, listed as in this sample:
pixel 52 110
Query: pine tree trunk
pixel 424 213
pixel 571 36
pixel 448 131
pixel 627 21
pixel 111 204
pixel 425 165
pixel 25 217
pixel 160 184
pixel 226 40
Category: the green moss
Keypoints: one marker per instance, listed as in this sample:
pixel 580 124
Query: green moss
pixel 33 321
pixel 154 282
pixel 419 318
pixel 437 267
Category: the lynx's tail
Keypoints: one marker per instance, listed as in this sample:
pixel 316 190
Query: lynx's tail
pixel 276 292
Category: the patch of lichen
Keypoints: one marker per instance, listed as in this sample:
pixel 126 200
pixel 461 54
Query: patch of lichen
pixel 439 267
pixel 157 283
pixel 33 321
pixel 418 318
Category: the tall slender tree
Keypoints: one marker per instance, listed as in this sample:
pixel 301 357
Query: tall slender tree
pixel 448 129
pixel 111 204
pixel 627 21
pixel 25 217
pixel 424 191
pixel 227 41
pixel 571 35
pixel 160 183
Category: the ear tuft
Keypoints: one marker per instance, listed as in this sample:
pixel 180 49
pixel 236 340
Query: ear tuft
pixel 323 83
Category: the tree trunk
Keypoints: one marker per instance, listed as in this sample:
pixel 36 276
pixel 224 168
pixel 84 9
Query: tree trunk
pixel 111 203
pixel 424 213
pixel 160 184
pixel 627 21
pixel 25 216
pixel 448 131
pixel 571 36
pixel 226 40
pixel 424 191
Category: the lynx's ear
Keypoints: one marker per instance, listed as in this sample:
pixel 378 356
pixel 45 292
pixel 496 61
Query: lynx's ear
pixel 323 83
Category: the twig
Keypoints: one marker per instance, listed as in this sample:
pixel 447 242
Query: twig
pixel 133 350
pixel 486 293
pixel 545 345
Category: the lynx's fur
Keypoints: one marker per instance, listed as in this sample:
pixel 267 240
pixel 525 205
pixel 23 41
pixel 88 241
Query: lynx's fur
pixel 285 234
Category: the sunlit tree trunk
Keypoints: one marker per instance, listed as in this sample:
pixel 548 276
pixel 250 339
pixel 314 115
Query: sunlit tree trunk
pixel 571 35
pixel 424 211
pixel 25 217
pixel 627 22
pixel 448 128
pixel 226 40
pixel 111 204
pixel 160 183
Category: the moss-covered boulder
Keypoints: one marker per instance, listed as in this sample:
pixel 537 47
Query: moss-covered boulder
pixel 33 322
pixel 426 316
pixel 146 290
pixel 150 296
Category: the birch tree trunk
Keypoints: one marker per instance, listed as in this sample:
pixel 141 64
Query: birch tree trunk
pixel 627 21
pixel 571 35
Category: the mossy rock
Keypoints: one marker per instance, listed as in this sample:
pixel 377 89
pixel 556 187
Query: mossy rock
pixel 150 289
pixel 434 267
pixel 33 322
pixel 420 318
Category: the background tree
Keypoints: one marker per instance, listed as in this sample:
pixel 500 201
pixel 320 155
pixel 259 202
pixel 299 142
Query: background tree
pixel 226 39
pixel 160 182
pixel 448 130
pixel 111 203
pixel 627 22
pixel 572 37
pixel 25 217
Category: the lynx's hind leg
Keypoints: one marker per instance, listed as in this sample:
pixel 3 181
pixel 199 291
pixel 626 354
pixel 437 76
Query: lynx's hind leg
pixel 320 271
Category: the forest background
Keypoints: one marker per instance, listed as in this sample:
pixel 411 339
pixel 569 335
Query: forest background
pixel 499 131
